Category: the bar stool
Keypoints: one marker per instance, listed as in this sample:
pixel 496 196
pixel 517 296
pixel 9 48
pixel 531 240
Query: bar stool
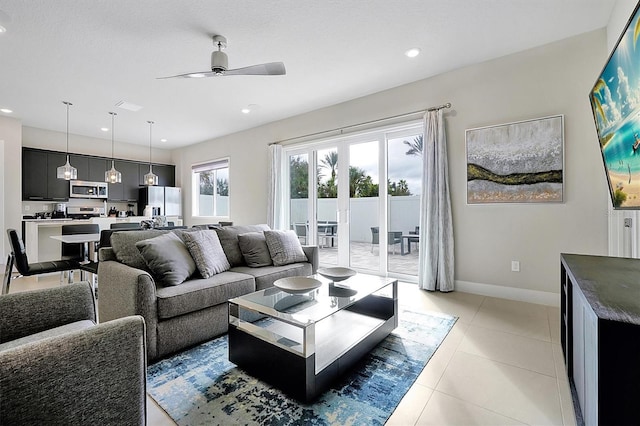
pixel 18 257
pixel 78 251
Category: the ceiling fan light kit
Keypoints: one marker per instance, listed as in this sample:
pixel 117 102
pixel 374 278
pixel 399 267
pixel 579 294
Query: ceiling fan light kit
pixel 220 65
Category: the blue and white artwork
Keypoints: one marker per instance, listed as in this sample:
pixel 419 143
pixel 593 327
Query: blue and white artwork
pixel 615 102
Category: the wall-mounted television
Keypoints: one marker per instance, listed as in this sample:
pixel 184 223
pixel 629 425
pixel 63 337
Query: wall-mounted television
pixel 615 102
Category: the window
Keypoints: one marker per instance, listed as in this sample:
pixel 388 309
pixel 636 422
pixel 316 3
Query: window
pixel 210 182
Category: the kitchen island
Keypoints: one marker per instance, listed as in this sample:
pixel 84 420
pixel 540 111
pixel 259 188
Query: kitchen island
pixel 41 247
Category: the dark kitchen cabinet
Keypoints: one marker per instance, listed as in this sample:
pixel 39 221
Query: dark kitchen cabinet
pixel 128 189
pixel 34 175
pixel 166 174
pixel 81 163
pixel 57 189
pixel 97 167
pixel 40 182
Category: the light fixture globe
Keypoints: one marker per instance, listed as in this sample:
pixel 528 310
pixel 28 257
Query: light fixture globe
pixel 150 179
pixel 67 171
pixel 112 176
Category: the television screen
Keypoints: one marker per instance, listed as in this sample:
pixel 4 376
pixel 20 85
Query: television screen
pixel 615 102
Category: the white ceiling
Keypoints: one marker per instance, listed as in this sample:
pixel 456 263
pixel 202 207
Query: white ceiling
pixel 97 53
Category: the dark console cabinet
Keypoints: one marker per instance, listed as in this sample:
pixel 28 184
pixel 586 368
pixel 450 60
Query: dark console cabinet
pixel 600 336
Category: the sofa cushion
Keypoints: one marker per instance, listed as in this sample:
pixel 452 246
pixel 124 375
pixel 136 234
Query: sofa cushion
pixel 206 251
pixel 167 258
pixel 284 247
pixel 228 236
pixel 124 246
pixel 201 293
pixel 266 276
pixel 254 249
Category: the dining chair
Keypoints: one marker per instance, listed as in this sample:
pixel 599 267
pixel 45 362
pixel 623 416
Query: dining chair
pixel 18 258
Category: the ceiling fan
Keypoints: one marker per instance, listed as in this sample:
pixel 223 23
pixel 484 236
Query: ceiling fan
pixel 220 63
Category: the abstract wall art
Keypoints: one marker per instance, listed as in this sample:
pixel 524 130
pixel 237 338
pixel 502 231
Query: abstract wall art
pixel 521 162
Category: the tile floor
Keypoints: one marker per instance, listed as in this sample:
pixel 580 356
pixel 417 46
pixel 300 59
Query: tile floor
pixel 500 364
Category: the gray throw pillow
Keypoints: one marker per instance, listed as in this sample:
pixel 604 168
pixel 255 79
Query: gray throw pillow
pixel 167 258
pixel 284 247
pixel 124 247
pixel 229 239
pixel 254 249
pixel 206 251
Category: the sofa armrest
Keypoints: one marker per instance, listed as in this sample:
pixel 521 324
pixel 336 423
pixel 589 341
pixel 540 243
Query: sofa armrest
pixel 30 312
pixel 125 291
pixel 313 255
pixel 92 376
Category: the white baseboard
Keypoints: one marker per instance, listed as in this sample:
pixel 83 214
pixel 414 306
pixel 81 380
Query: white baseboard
pixel 511 293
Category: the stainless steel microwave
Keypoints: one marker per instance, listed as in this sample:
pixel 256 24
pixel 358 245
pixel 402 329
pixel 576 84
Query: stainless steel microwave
pixel 84 189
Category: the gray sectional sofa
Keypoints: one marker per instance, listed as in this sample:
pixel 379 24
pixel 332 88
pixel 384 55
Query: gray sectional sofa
pixel 181 315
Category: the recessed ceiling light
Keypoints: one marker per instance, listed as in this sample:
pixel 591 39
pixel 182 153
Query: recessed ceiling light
pixel 245 110
pixel 2 29
pixel 412 53
pixel 104 129
pixel 6 110
pixel 249 108
pixel 163 140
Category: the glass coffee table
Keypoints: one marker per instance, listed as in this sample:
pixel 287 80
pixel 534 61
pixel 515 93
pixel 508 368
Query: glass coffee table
pixel 301 343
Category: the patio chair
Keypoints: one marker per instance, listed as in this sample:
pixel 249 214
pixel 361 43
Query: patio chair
pixel 301 232
pixel 415 240
pixel 393 238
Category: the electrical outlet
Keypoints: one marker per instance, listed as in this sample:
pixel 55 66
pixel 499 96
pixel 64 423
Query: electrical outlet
pixel 45 208
pixel 515 266
pixel 27 207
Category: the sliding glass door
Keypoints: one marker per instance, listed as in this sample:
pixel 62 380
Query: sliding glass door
pixel 358 199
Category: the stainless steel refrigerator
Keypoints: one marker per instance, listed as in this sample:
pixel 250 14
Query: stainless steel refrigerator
pixel 167 198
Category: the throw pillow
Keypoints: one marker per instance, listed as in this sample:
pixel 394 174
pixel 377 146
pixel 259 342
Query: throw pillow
pixel 284 247
pixel 206 251
pixel 167 258
pixel 229 239
pixel 254 249
pixel 123 244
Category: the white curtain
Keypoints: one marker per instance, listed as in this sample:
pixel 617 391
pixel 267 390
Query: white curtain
pixel 275 213
pixel 436 227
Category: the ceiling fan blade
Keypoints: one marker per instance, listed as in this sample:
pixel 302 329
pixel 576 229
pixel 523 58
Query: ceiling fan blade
pixel 191 75
pixel 271 68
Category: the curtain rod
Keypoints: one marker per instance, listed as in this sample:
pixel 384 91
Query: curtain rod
pixel 351 126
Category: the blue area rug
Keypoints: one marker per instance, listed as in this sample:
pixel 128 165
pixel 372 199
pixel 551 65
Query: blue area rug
pixel 201 387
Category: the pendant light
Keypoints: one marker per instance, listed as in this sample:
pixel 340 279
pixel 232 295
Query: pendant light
pixel 150 179
pixel 67 172
pixel 112 176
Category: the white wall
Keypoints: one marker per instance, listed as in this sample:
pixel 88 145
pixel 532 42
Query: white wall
pixel 56 141
pixel 11 133
pixel 550 80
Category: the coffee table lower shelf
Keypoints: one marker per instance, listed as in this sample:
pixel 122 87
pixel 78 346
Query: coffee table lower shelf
pixel 341 340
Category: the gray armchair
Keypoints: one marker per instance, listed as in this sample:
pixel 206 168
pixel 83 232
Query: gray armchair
pixel 58 367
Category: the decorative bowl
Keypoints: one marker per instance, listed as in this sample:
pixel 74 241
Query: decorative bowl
pixel 336 273
pixel 297 285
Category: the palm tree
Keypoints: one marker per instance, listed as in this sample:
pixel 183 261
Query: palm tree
pixel 330 161
pixel 415 146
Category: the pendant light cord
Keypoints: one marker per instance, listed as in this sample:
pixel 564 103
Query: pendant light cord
pixel 67 104
pixel 113 115
pixel 150 139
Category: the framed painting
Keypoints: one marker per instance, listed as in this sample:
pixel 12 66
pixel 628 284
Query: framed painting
pixel 521 162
